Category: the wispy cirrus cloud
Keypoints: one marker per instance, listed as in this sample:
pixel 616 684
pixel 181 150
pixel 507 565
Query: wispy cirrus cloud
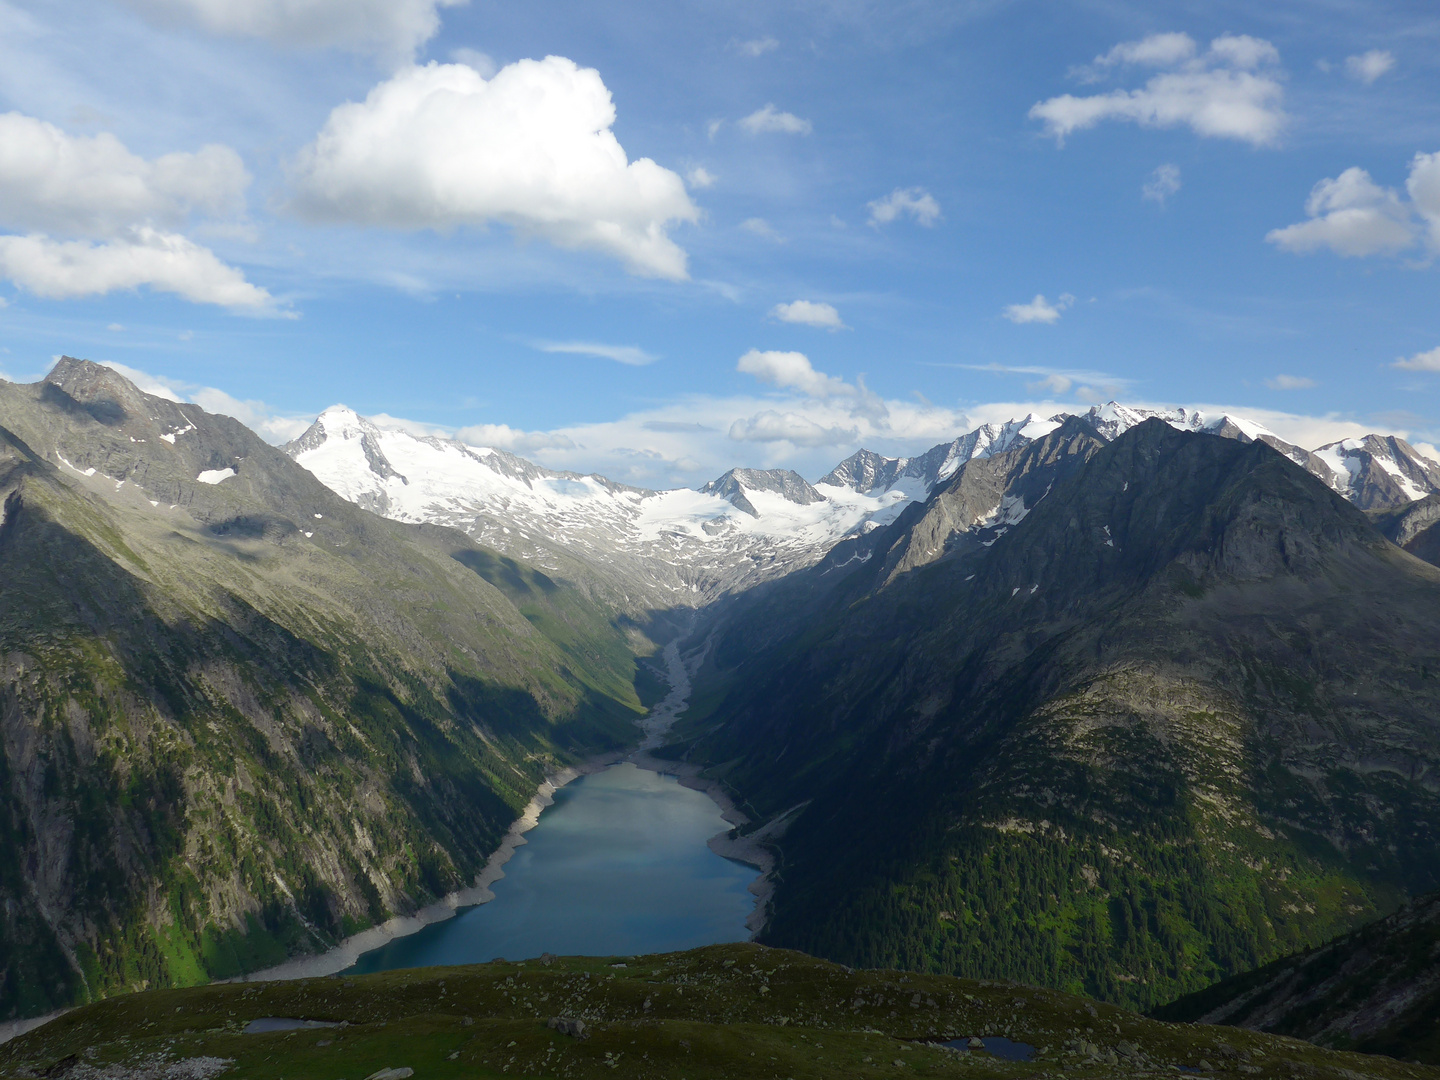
pixel 390 29
pixel 1163 183
pixel 756 47
pixel 1369 66
pixel 1290 382
pixel 632 355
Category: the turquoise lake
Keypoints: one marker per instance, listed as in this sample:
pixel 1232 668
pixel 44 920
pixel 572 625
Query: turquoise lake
pixel 617 867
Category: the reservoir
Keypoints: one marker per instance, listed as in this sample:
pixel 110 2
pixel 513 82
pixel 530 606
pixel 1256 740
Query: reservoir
pixel 616 867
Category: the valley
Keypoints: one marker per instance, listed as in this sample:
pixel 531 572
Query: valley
pixel 1118 704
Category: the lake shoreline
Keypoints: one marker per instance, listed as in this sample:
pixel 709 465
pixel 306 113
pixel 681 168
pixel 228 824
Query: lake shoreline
pixel 349 951
pixel 655 725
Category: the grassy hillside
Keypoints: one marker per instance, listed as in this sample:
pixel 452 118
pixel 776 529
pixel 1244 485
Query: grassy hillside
pixel 724 1011
pixel 241 720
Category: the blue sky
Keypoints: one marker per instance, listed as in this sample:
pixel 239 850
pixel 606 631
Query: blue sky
pixel 806 226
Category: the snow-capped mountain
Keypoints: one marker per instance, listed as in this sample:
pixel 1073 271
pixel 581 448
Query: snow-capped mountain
pixel 679 547
pixel 685 547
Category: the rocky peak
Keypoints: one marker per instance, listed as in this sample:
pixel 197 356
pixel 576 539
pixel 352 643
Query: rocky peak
pixel 341 423
pixel 785 482
pixel 864 471
pixel 108 397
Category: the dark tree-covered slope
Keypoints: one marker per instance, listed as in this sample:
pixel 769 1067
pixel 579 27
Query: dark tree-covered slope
pixel 1122 719
pixel 240 717
pixel 1376 990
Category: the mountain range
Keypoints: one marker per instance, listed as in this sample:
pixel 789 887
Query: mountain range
pixel 1119 702
pixel 687 549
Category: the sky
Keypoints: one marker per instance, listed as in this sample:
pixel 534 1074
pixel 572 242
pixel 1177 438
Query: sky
pixel 657 240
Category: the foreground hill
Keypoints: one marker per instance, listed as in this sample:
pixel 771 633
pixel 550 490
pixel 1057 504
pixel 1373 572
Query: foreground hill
pixel 1376 990
pixel 1117 717
pixel 723 1011
pixel 239 716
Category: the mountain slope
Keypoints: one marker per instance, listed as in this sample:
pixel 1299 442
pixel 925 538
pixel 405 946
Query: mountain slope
pixel 239 716
pixel 1376 990
pixel 1414 526
pixel 1169 721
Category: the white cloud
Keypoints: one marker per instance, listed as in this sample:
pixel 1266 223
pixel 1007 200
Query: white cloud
pixel 700 177
pixel 392 29
pixel 1290 382
pixel 165 262
pixel 115 328
pixel 758 46
pixel 772 426
pixel 621 354
pixel 1163 182
pixel 1219 94
pixel 1369 66
pixel 916 202
pixel 1089 385
pixel 483 63
pixel 513 439
pixel 1423 186
pixel 439 146
pixel 770 119
pixel 256 415
pixel 89 188
pixel 1244 51
pixel 793 371
pixel 1352 216
pixel 809 313
pixel 1157 50
pixel 1038 310
pixel 82 185
pixel 1422 361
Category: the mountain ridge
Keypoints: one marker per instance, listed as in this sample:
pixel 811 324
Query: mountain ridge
pixel 241 717
pixel 1152 733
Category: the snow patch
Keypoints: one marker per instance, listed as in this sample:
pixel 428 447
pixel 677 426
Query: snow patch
pixel 215 476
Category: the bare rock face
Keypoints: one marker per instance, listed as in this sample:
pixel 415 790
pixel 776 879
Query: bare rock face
pixel 1414 526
